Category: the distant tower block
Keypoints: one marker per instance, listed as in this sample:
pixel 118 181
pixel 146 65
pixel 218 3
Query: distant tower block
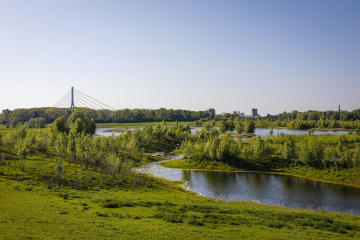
pixel 339 107
pixel 254 112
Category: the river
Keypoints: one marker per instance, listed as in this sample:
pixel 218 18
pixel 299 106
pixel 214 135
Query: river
pixel 271 189
pixel 265 188
pixel 258 131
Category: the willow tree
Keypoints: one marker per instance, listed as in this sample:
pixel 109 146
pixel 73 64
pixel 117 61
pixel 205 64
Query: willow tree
pixel 249 126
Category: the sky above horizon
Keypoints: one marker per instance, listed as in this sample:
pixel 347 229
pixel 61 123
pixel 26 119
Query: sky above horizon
pixel 229 55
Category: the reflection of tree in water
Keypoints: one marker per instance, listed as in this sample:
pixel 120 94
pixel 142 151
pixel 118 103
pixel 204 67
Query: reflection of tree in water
pixel 187 175
pixel 274 189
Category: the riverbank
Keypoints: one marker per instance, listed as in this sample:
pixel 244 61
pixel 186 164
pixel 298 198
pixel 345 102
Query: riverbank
pixel 4 130
pixel 348 177
pixel 242 135
pixel 150 209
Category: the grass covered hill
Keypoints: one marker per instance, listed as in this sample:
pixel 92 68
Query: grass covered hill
pixel 92 205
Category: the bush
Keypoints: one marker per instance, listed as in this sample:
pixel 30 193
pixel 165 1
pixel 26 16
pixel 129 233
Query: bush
pixel 195 222
pixel 102 214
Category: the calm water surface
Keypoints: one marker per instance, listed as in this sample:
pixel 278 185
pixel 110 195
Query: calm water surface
pixel 101 131
pixel 291 192
pixel 265 131
pixel 258 132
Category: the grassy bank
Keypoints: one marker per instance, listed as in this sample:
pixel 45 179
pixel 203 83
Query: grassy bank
pixel 4 130
pixel 246 135
pixel 99 208
pixel 350 177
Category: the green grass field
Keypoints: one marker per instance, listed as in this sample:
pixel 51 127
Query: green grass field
pixel 91 205
pixel 4 130
pixel 31 211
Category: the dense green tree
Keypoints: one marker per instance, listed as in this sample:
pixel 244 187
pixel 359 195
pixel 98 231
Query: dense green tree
pixel 77 127
pixel 87 121
pixel 289 149
pixel 6 114
pixel 239 127
pixel 311 153
pixel 22 153
pixel 60 125
pixel 249 126
pixel 222 126
pixel 342 145
pixel 207 126
pixel 58 169
pixel 357 130
pixel 271 132
pixel 40 122
pixel 230 126
pixel 260 149
pixel 14 123
pixel 20 132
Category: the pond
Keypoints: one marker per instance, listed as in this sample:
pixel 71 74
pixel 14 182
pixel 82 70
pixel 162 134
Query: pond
pixel 258 132
pixel 265 131
pixel 106 131
pixel 275 189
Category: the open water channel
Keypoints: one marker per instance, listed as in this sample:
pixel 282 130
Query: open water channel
pixel 272 189
pixel 258 131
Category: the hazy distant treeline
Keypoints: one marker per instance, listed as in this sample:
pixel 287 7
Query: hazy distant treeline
pixel 103 116
pixel 318 115
pixel 156 115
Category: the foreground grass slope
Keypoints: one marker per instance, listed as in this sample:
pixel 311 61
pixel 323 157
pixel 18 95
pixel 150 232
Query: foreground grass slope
pixel 38 213
pixel 91 205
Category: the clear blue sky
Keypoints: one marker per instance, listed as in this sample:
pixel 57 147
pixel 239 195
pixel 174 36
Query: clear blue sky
pixel 229 55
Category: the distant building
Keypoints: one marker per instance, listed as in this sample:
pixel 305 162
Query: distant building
pixel 242 115
pixel 339 107
pixel 254 112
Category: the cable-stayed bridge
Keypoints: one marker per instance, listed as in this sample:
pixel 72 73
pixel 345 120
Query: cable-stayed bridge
pixel 75 98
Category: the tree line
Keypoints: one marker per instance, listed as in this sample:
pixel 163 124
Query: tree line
pixel 295 119
pixel 107 116
pixel 319 115
pixel 248 125
pixel 280 151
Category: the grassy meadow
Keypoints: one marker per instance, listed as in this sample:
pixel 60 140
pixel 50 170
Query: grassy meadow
pixel 4 130
pixel 92 206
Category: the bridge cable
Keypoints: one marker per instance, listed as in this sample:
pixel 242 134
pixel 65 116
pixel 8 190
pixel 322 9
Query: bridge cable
pixel 84 99
pixel 99 106
pixel 61 99
pixel 65 102
pixel 95 100
pixel 77 99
